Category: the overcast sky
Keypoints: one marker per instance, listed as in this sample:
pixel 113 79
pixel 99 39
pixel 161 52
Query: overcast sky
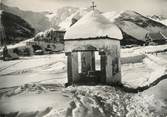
pixel 143 6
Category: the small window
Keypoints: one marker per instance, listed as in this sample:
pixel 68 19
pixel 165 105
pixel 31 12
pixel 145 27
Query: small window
pixel 97 62
pixel 79 62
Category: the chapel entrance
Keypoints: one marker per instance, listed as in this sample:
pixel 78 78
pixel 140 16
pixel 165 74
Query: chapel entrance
pixel 87 66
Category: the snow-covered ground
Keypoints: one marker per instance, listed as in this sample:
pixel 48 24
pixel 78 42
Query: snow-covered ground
pixel 152 68
pixel 35 83
pixel 46 68
pixel 21 84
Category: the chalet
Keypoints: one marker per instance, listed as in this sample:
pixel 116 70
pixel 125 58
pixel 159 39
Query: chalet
pixel 50 40
pixel 92 34
pixel 156 38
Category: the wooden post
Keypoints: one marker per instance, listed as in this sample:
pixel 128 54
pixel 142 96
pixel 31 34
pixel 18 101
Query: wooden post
pixel 69 68
pixel 75 72
pixel 109 72
pixel 93 60
pixel 103 67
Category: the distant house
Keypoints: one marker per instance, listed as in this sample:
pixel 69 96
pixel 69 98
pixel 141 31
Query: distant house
pixel 156 38
pixel 93 34
pixel 50 40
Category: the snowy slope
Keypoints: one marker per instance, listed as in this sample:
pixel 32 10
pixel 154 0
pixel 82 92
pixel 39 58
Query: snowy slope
pixel 164 21
pixel 135 25
pixel 60 15
pixel 111 15
pixel 64 25
pixel 134 30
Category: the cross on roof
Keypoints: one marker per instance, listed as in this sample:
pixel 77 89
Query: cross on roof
pixel 93 5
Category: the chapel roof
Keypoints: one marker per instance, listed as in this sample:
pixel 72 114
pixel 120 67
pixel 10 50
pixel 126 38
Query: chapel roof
pixel 93 25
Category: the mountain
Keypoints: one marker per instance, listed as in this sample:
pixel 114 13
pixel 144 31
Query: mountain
pixel 15 28
pixel 60 15
pixel 136 26
pixel 159 19
pixel 38 20
pixel 42 21
pixel 133 25
pixel 73 18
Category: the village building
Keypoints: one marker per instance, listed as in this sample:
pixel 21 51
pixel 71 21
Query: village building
pixel 91 37
pixel 155 38
pixel 51 40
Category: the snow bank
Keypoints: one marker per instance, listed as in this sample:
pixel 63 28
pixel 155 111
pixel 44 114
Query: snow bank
pixel 105 101
pixel 151 69
pixel 21 44
pixel 159 67
pixel 143 50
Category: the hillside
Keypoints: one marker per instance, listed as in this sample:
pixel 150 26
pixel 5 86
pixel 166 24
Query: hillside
pixel 135 25
pixel 38 20
pixel 15 28
pixel 42 21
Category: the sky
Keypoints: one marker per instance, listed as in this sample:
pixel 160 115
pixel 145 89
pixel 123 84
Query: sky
pixel 146 7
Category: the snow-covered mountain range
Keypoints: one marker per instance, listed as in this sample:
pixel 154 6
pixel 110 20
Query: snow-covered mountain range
pixel 60 15
pixel 133 25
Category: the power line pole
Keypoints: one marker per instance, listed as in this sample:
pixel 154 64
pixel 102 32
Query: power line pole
pixel 2 30
pixel 0 4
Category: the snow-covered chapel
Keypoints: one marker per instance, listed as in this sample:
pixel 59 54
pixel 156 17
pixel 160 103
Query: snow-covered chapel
pixel 92 34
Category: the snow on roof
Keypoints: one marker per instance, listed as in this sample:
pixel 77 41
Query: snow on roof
pixel 45 33
pixel 93 25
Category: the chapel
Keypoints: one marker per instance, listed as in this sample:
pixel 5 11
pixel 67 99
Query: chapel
pixel 92 47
